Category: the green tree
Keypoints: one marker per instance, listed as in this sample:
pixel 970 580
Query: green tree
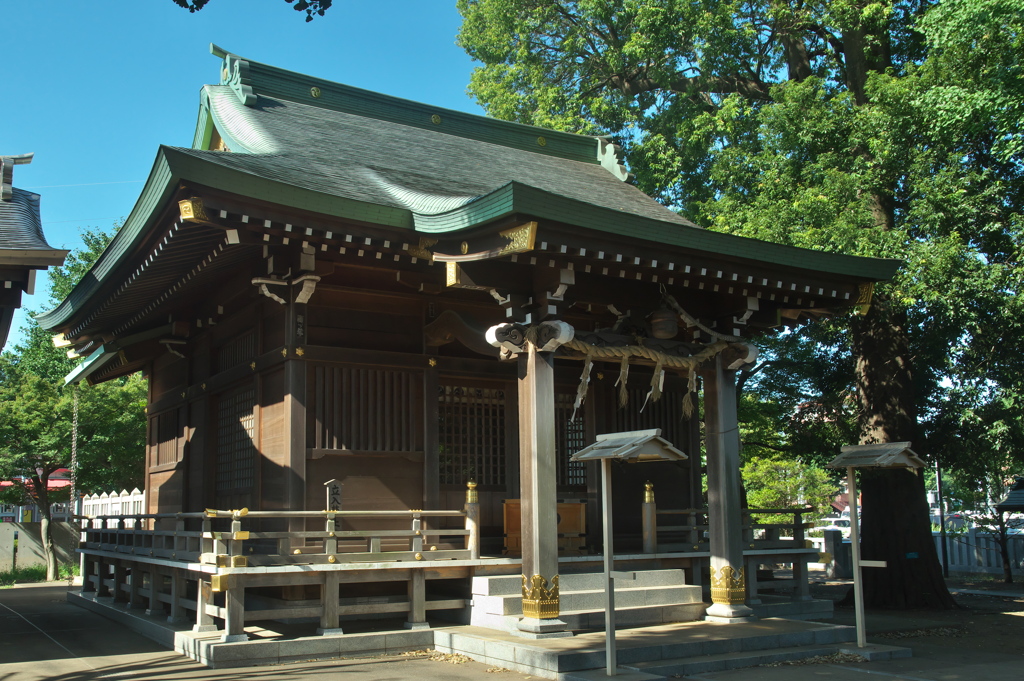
pixel 312 8
pixel 37 414
pixel 889 129
pixel 780 482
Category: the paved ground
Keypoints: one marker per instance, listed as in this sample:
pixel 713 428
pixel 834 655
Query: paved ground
pixel 42 637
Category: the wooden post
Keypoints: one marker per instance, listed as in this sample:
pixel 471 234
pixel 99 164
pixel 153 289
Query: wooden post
pixel 177 613
pixel 204 597
pixel 650 520
pixel 539 497
pixel 102 567
pixel 329 625
pixel 234 618
pixel 155 582
pixel 120 581
pixel 473 520
pixel 295 416
pixel 331 543
pixel 417 600
pixel 728 578
pixel 802 588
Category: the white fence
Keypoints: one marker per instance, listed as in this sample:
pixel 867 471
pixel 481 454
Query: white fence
pixel 124 503
pixel 977 551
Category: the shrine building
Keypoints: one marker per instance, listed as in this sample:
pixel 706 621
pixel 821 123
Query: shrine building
pixel 376 332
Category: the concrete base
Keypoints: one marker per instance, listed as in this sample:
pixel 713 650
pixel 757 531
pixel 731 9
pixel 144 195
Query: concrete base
pixel 529 625
pixel 330 632
pixel 234 638
pixel 873 652
pixel 417 625
pixel 729 620
pixel 729 612
pixel 204 628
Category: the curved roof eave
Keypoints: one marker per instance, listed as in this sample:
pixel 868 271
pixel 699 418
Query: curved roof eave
pixel 173 165
pixel 519 198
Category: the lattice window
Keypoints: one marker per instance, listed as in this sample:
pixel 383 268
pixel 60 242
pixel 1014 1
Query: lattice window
pixel 471 435
pixel 236 448
pixel 570 437
pixel 372 410
pixel 164 437
pixel 236 351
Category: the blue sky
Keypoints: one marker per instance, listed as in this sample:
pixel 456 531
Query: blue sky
pixel 93 88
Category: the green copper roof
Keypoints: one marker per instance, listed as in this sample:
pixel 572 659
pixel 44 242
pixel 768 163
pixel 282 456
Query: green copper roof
pixel 310 144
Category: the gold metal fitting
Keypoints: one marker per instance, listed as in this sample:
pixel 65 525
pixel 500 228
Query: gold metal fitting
pixel 472 496
pixel 332 559
pixel 418 556
pixel 296 552
pixel 539 601
pixel 648 492
pixel 728 585
pixel 433 548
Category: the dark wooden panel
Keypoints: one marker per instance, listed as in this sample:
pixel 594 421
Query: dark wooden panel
pixel 364 409
pixel 273 449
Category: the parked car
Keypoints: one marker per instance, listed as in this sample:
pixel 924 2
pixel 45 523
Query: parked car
pixel 841 524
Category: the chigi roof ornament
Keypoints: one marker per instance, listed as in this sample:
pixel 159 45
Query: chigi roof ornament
pixel 235 74
pixel 7 164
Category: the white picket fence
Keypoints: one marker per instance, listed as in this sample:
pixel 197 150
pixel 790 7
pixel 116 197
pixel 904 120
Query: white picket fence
pixel 977 551
pixel 115 503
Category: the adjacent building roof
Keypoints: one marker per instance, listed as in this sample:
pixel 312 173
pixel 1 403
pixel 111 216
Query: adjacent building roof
pixel 1013 502
pixel 23 248
pixel 294 141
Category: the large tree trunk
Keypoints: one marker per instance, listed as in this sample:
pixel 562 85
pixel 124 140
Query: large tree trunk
pixel 42 499
pixel 896 524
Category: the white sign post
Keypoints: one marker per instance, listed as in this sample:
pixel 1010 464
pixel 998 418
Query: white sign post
pixel 634 446
pixel 886 455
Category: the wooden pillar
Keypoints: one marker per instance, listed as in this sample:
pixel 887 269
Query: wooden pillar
pixel 537 474
pixel 295 413
pixel 234 617
pixel 330 611
pixel 177 613
pixel 204 597
pixel 155 583
pixel 431 451
pixel 722 443
pixel 417 601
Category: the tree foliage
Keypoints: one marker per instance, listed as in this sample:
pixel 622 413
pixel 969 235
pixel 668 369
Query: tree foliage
pixel 887 128
pixel 37 412
pixel 312 8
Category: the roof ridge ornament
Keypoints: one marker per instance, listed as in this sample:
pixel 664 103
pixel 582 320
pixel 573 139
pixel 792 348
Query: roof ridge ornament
pixel 7 164
pixel 235 74
pixel 609 155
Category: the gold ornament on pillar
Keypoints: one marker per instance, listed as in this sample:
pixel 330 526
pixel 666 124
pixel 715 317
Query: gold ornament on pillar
pixel 472 496
pixel 728 586
pixel 540 602
pixel 648 492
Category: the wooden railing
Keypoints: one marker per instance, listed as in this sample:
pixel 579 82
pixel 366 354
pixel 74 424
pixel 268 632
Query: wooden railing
pixel 763 543
pixel 228 538
pixel 200 562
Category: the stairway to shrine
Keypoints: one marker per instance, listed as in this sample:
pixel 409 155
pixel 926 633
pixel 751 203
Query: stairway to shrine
pixel 653 597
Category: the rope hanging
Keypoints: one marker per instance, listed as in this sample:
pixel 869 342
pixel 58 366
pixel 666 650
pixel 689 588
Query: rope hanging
pixel 661 360
pixel 581 392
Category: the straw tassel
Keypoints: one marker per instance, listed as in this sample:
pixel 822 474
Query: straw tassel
pixel 691 390
pixel 621 383
pixel 581 391
pixel 657 385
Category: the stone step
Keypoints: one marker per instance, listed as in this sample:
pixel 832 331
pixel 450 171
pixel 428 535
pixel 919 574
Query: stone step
pixel 594 600
pixel 511 585
pixel 705 664
pixel 593 620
